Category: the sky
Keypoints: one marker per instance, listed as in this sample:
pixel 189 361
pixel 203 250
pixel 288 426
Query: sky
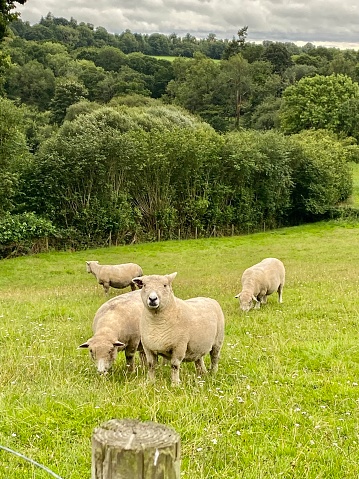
pixel 332 23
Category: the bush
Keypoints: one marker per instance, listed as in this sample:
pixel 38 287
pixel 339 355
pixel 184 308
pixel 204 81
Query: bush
pixel 23 233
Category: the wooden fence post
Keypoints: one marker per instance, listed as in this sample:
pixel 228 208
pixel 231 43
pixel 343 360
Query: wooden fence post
pixel 130 449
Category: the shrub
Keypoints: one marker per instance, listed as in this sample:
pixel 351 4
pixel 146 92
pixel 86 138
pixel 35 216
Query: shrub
pixel 22 233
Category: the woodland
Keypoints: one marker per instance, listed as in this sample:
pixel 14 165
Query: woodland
pixel 120 138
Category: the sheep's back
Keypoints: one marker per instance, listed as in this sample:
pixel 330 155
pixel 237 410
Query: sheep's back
pixel 267 274
pixel 121 311
pixel 121 275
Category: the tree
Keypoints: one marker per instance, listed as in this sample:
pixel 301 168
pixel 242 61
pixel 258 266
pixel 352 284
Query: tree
pixel 32 83
pixel 158 44
pixel 7 15
pixel 110 59
pixel 236 45
pixel 321 174
pixel 236 79
pixel 195 84
pixel 67 92
pixel 278 55
pixel 315 103
pixel 13 152
pixel 128 42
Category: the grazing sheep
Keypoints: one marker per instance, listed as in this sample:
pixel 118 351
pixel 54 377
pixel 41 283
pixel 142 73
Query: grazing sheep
pixel 116 327
pixel 118 276
pixel 259 281
pixel 179 330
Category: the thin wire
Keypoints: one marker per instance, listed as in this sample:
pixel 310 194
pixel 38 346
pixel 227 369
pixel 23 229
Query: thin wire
pixel 30 460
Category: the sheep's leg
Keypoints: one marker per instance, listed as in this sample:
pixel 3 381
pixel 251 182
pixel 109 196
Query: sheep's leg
pixel 264 299
pixel 200 367
pixel 214 353
pixel 257 305
pixel 280 293
pixel 106 287
pixel 175 365
pixel 142 358
pixel 151 363
pixel 130 360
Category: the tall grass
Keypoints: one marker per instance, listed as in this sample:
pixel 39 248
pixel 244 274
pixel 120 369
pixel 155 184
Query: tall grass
pixel 283 404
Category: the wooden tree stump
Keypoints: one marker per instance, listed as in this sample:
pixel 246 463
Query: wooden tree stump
pixel 130 449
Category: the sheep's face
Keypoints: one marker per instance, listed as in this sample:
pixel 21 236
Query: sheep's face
pixel 88 265
pixel 245 301
pixel 103 353
pixel 156 290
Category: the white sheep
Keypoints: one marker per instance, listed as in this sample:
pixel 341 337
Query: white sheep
pixel 116 327
pixel 118 276
pixel 259 281
pixel 179 330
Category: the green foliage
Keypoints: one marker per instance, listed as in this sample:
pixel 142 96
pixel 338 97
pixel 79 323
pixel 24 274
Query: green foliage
pixel 67 92
pixel 278 55
pixel 81 108
pixel 7 15
pixel 126 171
pixel 321 173
pixel 256 167
pixel 14 153
pixel 32 83
pixel 317 102
pixel 24 228
pixel 5 63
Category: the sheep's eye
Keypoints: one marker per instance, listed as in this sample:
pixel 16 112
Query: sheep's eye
pixel 165 285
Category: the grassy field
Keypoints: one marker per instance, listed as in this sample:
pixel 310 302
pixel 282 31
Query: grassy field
pixel 284 403
pixel 172 58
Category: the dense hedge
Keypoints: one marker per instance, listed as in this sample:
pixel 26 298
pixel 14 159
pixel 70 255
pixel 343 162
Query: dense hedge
pixel 119 174
pixel 127 172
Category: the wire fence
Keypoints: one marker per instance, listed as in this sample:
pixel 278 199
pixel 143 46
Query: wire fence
pixel 18 454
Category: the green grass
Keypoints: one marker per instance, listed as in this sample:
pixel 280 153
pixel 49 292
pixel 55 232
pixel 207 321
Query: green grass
pixel 284 403
pixel 168 57
pixel 172 58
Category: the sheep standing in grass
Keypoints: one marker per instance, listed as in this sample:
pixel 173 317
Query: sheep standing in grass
pixel 116 327
pixel 259 281
pixel 179 330
pixel 118 276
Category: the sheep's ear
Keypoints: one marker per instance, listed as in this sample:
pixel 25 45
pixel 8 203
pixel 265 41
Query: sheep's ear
pixel 172 276
pixel 138 281
pixel 119 345
pixel 84 345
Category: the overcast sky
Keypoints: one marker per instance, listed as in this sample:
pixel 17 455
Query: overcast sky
pixel 322 22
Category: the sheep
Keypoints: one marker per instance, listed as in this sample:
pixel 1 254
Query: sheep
pixel 259 281
pixel 118 276
pixel 179 330
pixel 116 327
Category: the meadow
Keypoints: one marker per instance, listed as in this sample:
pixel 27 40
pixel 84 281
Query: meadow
pixel 284 403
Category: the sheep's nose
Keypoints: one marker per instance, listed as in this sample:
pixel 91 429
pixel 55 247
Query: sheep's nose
pixel 153 299
pixel 102 367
